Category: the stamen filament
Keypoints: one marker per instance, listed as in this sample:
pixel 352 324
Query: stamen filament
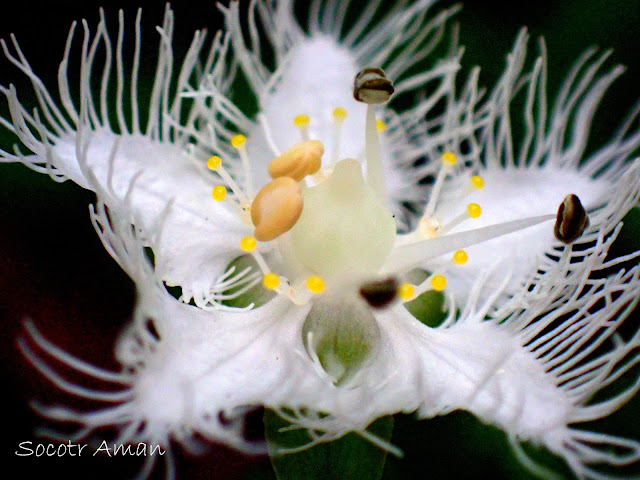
pixel 267 135
pixel 260 261
pixel 406 257
pixel 239 142
pixel 454 222
pixel 215 163
pixel 249 244
pixel 375 177
pixel 473 211
pixel 448 160
pixel 302 122
pixel 339 114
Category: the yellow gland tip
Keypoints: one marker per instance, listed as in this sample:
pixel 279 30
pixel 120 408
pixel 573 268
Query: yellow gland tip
pixel 248 244
pixel 339 113
pixel 219 193
pixel 477 182
pixel 315 284
pixel 381 126
pixel 449 158
pixel 301 120
pixel 238 141
pixel 271 281
pixel 474 210
pixel 406 291
pixel 460 257
pixel 214 162
pixel 439 283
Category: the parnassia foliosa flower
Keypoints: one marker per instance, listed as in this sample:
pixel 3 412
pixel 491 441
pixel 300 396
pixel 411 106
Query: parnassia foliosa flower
pixel 292 238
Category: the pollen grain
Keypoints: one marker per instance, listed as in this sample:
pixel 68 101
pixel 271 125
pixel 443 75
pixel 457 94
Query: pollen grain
pixel 271 281
pixel 301 121
pixel 238 141
pixel 406 291
pixel 214 162
pixel 477 182
pixel 315 284
pixel 449 158
pixel 474 210
pixel 438 283
pixel 460 257
pixel 248 244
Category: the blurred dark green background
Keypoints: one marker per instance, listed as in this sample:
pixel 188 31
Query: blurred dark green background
pixel 54 270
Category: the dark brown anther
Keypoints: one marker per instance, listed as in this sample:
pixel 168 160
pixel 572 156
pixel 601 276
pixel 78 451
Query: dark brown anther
pixel 379 293
pixel 371 85
pixel 571 221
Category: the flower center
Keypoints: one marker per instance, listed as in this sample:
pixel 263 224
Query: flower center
pixel 344 227
pixel 329 225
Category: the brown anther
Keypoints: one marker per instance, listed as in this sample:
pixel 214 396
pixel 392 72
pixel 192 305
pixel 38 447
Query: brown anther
pixel 299 161
pixel 379 293
pixel 371 85
pixel 276 208
pixel 571 221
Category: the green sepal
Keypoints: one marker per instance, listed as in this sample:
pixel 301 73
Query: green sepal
pixel 348 458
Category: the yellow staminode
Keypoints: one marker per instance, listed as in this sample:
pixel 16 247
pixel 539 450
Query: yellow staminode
pixel 406 291
pixel 438 283
pixel 301 121
pixel 238 141
pixel 214 162
pixel 460 257
pixel 449 158
pixel 339 114
pixel 248 244
pixel 477 182
pixel 315 284
pixel 219 193
pixel 271 281
pixel 474 210
pixel 381 126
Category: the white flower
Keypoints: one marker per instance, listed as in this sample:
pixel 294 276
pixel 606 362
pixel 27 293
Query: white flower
pixel 310 320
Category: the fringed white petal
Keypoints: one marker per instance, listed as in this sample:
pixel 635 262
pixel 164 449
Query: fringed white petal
pixel 166 184
pixel 533 365
pixel 533 179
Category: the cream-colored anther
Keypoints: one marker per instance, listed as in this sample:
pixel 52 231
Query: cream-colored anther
pixel 276 208
pixel 299 161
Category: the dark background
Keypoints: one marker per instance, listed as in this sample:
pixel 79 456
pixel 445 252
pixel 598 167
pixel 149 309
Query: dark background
pixel 54 270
